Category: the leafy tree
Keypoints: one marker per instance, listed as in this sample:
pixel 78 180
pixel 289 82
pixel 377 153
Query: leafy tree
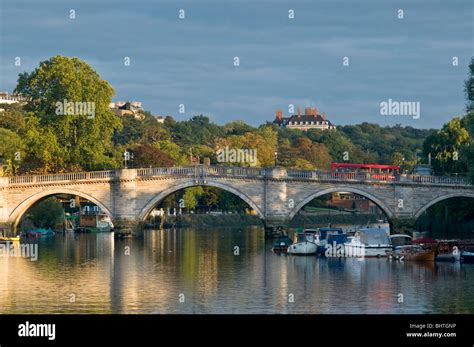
pixel 469 88
pixel 86 137
pixel 191 197
pixel 444 147
pixel 149 156
pixel 173 150
pixel 46 213
pixel 43 152
pixel 12 150
pixel 196 131
pixel 237 127
pixel 13 118
pixel 264 141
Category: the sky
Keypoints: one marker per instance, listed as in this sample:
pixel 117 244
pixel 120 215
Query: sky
pixel 282 61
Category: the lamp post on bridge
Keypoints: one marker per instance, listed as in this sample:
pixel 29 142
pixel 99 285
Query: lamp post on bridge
pixel 276 158
pixel 127 156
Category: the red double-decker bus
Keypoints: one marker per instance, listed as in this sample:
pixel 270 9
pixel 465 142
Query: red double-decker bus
pixel 375 171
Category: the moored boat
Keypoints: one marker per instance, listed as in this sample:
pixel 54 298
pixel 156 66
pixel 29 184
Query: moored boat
pixel 304 243
pixel 39 232
pixel 412 252
pixel 448 250
pixel 368 242
pixel 281 244
pixel 467 255
pixel 400 240
pixel 321 237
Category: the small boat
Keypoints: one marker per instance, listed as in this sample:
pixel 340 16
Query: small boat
pixel 368 242
pixel 448 250
pixel 400 240
pixel 9 239
pixel 467 255
pixel 412 252
pixel 39 232
pixel 322 235
pixel 304 243
pixel 281 244
pixel 425 241
pixel 335 245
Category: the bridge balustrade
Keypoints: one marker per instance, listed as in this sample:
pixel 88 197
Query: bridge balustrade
pixel 275 173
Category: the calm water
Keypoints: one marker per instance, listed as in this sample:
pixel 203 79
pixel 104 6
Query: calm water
pixel 103 275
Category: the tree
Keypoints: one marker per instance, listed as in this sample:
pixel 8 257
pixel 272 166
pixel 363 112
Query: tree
pixel 237 127
pixel 469 88
pixel 13 118
pixel 191 197
pixel 46 213
pixel 173 150
pixel 43 152
pixel 444 147
pixel 71 101
pixel 263 141
pixel 12 150
pixel 468 150
pixel 146 155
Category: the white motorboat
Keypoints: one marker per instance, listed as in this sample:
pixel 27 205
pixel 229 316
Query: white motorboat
pixel 304 243
pixel 368 242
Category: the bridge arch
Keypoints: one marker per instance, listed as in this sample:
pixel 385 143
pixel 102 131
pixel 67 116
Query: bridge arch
pixel 20 210
pixel 145 211
pixel 441 198
pixel 388 212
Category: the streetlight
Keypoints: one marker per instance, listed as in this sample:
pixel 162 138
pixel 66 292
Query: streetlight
pixel 127 156
pixel 276 158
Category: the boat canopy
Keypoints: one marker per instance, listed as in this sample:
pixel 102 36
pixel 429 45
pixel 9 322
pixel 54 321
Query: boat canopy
pixel 424 240
pixel 371 236
pixel 324 232
pixel 400 235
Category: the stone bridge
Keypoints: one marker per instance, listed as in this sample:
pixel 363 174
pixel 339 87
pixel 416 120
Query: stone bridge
pixel 276 194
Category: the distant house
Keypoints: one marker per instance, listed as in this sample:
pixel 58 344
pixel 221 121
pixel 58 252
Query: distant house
pixel 6 98
pixel 127 108
pixel 310 120
pixel 353 201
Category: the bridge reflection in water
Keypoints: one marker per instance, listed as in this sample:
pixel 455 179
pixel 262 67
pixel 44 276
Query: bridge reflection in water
pixel 96 274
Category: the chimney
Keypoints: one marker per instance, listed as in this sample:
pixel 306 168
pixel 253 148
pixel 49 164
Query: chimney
pixel 279 114
pixel 315 110
pixel 324 116
pixel 299 111
pixel 307 111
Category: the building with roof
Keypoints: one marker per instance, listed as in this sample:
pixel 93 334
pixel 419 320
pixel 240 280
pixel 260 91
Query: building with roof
pixel 127 108
pixel 311 119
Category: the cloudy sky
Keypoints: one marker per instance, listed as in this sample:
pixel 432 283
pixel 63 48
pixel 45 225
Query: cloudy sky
pixel 282 61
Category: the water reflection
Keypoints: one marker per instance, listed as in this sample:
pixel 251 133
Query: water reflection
pixel 220 271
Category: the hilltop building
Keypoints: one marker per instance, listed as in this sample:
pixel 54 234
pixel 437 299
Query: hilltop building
pixel 127 108
pixel 6 98
pixel 310 120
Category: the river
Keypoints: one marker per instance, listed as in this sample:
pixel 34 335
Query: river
pixel 226 270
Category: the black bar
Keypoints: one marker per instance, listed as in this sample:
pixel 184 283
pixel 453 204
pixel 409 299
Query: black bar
pixel 294 330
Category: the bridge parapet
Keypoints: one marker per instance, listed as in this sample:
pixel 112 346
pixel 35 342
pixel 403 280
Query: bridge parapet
pixel 201 171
